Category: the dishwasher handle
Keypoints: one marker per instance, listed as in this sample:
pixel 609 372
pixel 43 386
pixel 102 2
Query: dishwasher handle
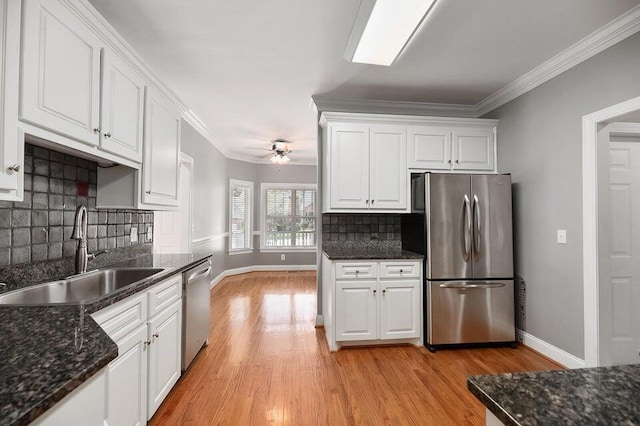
pixel 199 273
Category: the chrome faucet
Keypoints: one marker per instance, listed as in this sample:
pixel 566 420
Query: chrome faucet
pixel 80 234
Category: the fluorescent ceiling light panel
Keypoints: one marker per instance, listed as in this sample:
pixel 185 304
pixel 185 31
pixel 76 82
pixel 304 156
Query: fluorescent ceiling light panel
pixel 390 26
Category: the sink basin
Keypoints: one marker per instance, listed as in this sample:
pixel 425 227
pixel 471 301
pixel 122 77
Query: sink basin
pixel 85 288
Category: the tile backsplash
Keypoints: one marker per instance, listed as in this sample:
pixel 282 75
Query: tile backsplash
pixel 40 227
pixel 361 227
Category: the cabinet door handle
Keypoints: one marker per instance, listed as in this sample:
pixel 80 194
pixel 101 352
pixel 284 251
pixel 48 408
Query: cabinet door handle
pixel 367 201
pixel 374 291
pixel 401 271
pixel 97 130
pixel 107 135
pixel 147 343
pixel 373 201
pixel 449 161
pixel 384 291
pixel 156 335
pixel 457 161
pixel 148 192
pixel 15 168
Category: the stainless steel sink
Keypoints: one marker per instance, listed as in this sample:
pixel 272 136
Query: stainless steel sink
pixel 78 289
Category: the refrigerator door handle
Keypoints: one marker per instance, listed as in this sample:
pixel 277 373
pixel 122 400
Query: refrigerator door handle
pixel 467 229
pixel 477 230
pixel 465 285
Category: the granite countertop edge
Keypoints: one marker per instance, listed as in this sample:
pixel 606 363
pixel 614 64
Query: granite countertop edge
pixel 489 403
pixel 105 349
pixel 367 254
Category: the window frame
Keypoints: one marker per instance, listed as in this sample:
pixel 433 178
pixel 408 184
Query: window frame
pixel 263 217
pixel 249 219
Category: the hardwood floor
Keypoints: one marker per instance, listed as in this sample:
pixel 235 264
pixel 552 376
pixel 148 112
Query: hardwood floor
pixel 267 364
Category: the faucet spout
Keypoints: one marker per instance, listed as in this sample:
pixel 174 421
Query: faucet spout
pixel 80 233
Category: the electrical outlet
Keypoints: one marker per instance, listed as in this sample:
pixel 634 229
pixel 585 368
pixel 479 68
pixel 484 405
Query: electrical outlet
pixel 133 236
pixel 562 236
pixel 283 257
pixel 150 233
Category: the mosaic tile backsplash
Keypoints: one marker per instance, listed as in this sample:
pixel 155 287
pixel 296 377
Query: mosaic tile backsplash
pixel 40 227
pixel 361 227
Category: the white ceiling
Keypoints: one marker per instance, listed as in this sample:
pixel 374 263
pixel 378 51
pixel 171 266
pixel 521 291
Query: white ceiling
pixel 248 68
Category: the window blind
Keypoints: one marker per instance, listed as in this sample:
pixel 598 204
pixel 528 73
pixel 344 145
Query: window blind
pixel 240 220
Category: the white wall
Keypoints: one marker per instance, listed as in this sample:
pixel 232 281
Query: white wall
pixel 539 143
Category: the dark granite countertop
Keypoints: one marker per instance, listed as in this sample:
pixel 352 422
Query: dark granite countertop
pixel 365 250
pixel 43 361
pixel 588 396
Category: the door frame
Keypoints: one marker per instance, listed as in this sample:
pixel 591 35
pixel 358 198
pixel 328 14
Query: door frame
pixel 188 163
pixel 590 247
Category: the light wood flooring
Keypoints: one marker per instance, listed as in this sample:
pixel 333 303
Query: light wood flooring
pixel 266 364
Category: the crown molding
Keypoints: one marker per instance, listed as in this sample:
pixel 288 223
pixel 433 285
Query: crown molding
pixel 367 106
pixel 614 32
pixel 349 117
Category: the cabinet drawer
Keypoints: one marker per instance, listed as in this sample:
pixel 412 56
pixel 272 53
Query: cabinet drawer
pixel 399 269
pixel 123 317
pixel 356 270
pixel 164 294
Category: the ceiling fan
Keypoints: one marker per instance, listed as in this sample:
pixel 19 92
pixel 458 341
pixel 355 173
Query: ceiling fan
pixel 280 150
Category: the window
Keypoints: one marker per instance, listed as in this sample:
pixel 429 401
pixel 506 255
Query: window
pixel 240 206
pixel 288 216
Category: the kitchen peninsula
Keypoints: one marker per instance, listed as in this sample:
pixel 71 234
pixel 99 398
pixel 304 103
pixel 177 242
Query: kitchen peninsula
pixel 587 396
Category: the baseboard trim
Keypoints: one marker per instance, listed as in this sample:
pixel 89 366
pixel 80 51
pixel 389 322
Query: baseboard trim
pixel 259 268
pixel 319 320
pixel 547 349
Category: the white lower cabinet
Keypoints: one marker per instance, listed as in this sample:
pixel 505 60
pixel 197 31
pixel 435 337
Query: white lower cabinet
pixel 149 340
pixel 368 302
pixel 164 354
pixel 127 381
pixel 83 406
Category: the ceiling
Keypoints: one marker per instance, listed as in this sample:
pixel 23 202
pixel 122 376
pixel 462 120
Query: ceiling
pixel 248 68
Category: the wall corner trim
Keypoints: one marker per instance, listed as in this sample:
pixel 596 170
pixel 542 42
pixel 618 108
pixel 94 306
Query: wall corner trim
pixel 558 355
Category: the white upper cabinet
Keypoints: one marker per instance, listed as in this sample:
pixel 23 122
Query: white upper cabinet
pixel 11 143
pixel 429 147
pixel 60 72
pixel 464 148
pixel 349 166
pixel 388 167
pixel 366 168
pixel 122 108
pixel 161 162
pixel 473 148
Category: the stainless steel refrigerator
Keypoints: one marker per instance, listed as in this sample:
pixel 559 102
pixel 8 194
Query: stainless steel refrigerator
pixel 462 224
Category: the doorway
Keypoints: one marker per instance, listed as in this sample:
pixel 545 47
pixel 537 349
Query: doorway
pixel 611 235
pixel 174 228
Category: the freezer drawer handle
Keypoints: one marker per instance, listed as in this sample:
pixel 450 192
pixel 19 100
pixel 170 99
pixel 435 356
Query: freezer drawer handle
pixel 463 285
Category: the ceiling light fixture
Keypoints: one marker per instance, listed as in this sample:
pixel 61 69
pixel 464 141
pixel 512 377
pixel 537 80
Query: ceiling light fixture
pixel 280 150
pixel 383 28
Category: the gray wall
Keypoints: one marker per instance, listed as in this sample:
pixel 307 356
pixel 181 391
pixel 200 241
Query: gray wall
pixel 539 143
pixel 268 173
pixel 209 194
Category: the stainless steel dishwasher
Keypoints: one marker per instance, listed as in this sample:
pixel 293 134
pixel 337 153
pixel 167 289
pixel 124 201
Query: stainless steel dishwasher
pixel 195 311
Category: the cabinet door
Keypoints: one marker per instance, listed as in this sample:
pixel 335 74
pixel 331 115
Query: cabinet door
pixel 356 310
pixel 473 148
pixel 161 151
pixel 399 309
pixel 11 163
pixel 165 331
pixel 122 108
pixel 388 167
pixel 127 381
pixel 349 166
pixel 429 147
pixel 60 71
